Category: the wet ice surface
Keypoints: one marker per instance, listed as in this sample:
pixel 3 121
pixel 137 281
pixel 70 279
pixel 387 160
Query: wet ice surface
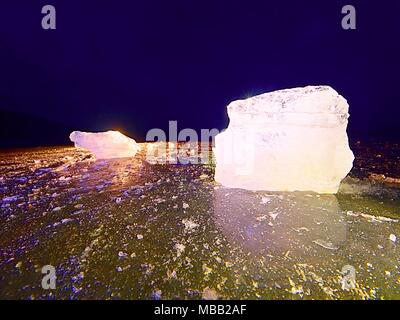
pixel 126 229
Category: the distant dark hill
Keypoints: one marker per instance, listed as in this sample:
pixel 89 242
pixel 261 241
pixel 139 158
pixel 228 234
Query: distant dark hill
pixel 26 130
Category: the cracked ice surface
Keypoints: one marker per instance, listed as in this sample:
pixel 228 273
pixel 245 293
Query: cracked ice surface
pixel 105 145
pixel 126 229
pixel 286 140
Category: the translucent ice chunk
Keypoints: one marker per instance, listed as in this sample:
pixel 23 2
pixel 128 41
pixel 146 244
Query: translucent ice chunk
pixel 287 140
pixel 105 145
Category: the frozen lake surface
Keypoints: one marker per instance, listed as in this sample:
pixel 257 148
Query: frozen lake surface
pixel 126 229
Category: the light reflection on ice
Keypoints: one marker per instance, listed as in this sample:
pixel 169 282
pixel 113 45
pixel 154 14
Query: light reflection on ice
pixel 274 223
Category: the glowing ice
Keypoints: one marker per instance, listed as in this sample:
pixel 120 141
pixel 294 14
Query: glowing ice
pixel 105 145
pixel 287 140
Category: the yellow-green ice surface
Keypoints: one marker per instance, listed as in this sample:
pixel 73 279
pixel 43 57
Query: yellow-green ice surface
pixel 127 229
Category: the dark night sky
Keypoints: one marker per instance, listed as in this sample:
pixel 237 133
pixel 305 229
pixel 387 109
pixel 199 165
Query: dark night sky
pixel 135 65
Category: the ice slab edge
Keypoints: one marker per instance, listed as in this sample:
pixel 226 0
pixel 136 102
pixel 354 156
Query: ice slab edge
pixel 286 140
pixel 105 145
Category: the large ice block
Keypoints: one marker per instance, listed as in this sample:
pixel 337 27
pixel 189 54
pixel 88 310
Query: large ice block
pixel 105 145
pixel 286 140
